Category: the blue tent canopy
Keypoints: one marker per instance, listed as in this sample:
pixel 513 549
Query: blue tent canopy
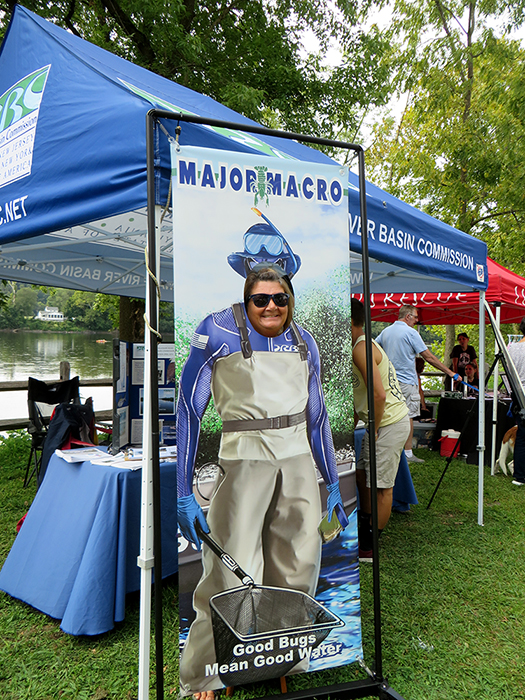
pixel 414 244
pixel 73 174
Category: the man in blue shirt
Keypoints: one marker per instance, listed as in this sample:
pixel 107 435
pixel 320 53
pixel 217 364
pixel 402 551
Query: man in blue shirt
pixel 402 343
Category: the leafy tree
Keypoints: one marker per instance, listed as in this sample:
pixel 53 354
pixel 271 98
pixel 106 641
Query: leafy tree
pixel 59 297
pixel 108 305
pixel 90 311
pixel 459 149
pixel 166 318
pixel 10 317
pixel 19 302
pixel 4 294
pixel 248 54
pixel 42 296
pixel 26 302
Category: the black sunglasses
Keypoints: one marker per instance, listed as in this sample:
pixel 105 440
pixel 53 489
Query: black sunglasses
pixel 262 300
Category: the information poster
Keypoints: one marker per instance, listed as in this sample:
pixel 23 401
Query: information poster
pixel 128 367
pixel 234 212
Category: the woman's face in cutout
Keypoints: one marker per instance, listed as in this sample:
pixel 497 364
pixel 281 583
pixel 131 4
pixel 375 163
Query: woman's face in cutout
pixel 269 320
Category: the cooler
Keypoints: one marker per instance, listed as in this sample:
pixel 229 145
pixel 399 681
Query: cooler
pixel 448 442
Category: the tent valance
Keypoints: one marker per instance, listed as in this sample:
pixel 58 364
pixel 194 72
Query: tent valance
pixel 457 307
pixel 411 241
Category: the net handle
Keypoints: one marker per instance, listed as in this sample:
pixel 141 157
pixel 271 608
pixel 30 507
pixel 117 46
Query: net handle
pixel 226 559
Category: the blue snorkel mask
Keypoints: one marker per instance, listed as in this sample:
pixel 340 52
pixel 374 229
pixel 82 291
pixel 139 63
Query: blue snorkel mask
pixel 264 243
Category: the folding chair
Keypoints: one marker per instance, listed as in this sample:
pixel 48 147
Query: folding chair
pixel 42 397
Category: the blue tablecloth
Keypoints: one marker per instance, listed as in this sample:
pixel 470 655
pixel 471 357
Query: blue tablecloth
pixel 404 493
pixel 75 557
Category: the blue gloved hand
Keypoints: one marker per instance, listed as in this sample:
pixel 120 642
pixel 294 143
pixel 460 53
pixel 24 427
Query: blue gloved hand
pixel 187 511
pixel 335 502
pixel 456 378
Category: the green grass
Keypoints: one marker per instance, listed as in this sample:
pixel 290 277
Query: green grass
pixel 452 595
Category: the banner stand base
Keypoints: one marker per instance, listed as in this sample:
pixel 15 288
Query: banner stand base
pixel 368 688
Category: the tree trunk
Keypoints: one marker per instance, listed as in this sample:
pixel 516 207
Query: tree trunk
pixel 131 320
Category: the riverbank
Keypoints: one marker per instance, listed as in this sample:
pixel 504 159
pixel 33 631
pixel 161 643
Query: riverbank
pixel 25 354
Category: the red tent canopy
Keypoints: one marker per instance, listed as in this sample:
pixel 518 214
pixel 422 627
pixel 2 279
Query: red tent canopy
pixel 446 308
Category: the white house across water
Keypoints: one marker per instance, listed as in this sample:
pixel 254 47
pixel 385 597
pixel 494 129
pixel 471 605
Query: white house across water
pixel 50 313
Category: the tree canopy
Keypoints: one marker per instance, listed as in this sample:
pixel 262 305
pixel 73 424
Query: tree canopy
pixel 250 55
pixel 458 150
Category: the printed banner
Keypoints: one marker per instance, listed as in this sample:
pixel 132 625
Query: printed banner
pixel 399 233
pixel 277 396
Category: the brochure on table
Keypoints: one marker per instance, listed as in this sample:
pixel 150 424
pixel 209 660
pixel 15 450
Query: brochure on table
pixel 128 393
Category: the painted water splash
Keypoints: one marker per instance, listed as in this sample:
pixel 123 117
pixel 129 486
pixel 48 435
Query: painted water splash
pixel 338 590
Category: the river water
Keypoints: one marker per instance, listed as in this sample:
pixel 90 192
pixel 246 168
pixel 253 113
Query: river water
pixel 28 354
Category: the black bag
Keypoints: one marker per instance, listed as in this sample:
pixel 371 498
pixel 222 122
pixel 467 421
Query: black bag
pixel 70 422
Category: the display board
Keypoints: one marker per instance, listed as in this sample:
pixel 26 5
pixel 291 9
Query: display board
pixel 233 212
pixel 128 394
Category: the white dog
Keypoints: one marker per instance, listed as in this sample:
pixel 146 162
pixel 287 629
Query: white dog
pixel 507 450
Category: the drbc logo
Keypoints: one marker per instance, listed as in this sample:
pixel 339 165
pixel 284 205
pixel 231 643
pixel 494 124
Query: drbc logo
pixel 19 109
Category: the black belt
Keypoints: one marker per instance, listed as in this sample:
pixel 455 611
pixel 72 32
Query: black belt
pixel 235 426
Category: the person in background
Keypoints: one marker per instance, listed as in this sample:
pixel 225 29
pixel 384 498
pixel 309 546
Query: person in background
pixel 517 354
pixel 462 355
pixel 392 428
pixel 402 343
pixel 471 379
pixel 423 410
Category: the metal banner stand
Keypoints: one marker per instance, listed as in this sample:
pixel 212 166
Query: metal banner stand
pixel 150 533
pixel 374 686
pixel 495 393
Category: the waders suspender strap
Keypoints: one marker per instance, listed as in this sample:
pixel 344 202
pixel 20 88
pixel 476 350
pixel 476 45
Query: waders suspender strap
pixel 263 423
pixel 240 322
pixel 246 347
pixel 303 349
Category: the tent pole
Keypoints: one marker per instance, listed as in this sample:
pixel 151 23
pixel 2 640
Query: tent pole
pixel 371 419
pixel 495 395
pixel 481 425
pixel 150 549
